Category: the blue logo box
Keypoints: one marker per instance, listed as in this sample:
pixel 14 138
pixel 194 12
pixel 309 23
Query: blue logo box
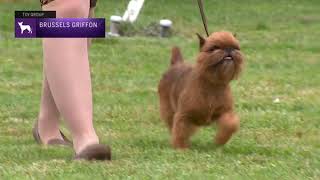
pixel 60 27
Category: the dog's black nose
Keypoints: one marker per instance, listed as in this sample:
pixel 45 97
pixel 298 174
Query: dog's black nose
pixel 228 50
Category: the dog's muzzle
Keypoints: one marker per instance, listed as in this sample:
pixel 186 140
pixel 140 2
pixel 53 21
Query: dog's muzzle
pixel 228 56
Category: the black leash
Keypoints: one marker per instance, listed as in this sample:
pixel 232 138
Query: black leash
pixel 204 19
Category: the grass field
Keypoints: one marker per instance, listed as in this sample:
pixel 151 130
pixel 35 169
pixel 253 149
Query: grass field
pixel 277 139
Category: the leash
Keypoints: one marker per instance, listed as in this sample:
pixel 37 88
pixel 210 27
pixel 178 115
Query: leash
pixel 204 19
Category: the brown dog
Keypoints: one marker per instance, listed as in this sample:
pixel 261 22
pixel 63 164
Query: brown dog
pixel 193 96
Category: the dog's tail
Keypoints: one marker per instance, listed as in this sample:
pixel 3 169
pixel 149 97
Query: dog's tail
pixel 176 56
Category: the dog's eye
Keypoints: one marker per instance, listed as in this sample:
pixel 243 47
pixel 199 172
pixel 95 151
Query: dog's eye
pixel 213 48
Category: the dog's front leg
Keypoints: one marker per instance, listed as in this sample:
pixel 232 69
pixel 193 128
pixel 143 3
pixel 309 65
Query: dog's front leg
pixel 228 123
pixel 182 130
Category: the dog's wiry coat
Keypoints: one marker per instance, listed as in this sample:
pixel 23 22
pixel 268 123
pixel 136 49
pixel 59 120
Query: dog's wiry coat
pixel 193 96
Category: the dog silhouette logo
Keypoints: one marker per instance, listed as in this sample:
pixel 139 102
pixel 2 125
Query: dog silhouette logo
pixel 25 27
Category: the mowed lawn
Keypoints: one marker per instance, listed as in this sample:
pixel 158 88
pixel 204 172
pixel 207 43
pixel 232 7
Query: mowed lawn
pixel 277 96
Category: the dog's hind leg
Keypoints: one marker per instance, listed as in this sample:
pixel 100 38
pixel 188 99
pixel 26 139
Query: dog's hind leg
pixel 228 124
pixel 182 130
pixel 166 113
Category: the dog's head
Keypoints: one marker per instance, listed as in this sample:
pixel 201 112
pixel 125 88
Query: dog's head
pixel 220 59
pixel 20 23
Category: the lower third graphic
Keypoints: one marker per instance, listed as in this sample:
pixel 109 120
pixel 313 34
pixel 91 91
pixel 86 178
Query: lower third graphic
pixel 59 27
pixel 25 27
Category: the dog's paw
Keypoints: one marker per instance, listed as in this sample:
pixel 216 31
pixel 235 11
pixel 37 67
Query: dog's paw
pixel 180 146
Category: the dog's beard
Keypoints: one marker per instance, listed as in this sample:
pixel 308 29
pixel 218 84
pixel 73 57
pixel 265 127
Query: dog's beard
pixel 226 70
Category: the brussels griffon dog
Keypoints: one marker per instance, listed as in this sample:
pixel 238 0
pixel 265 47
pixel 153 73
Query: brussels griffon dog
pixel 198 95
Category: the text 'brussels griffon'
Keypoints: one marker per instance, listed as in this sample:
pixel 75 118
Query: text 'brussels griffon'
pixel 194 96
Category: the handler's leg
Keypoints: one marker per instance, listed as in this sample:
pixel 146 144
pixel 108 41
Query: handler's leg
pixel 68 74
pixel 48 118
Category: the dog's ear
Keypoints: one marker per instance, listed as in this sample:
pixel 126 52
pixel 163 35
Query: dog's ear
pixel 201 40
pixel 235 35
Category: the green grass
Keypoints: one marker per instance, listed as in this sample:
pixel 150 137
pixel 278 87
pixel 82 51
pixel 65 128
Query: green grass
pixel 277 140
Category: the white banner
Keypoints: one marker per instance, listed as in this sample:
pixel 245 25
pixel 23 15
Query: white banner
pixel 133 10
